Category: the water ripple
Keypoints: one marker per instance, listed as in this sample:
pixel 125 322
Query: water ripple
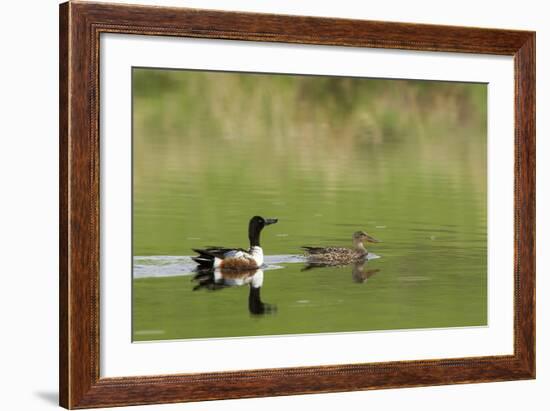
pixel 172 265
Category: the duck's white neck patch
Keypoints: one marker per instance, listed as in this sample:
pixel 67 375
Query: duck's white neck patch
pixel 257 254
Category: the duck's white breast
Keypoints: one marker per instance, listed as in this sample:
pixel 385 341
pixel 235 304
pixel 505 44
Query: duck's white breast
pixel 258 255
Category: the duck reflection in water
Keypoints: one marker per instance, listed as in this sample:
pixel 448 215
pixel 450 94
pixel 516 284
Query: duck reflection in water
pixel 341 255
pixel 218 279
pixel 359 271
pixel 357 257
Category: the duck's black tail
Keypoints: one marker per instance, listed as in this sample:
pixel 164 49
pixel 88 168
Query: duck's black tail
pixel 205 258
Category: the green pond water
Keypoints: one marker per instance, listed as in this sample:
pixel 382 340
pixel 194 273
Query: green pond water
pixel 403 160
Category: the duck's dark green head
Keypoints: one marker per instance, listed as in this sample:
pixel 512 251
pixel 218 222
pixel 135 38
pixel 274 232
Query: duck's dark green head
pixel 255 227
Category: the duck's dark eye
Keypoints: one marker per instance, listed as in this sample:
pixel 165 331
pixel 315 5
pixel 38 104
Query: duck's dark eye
pixel 257 221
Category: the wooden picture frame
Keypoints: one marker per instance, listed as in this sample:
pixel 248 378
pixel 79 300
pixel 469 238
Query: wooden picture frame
pixel 80 27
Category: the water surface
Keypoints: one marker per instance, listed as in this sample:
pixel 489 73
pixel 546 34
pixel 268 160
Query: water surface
pixel 403 160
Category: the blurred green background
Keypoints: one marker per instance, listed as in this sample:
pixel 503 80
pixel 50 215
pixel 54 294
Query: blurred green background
pixel 404 160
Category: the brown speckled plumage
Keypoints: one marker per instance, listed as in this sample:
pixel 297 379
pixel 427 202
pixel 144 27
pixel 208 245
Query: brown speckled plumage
pixel 341 255
pixel 334 254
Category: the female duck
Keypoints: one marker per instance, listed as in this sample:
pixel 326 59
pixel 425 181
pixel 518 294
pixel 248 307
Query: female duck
pixel 236 258
pixel 341 255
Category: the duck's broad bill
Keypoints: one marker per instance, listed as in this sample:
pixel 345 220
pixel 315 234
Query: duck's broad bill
pixel 270 204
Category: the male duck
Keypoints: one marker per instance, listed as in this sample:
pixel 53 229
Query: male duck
pixel 341 255
pixel 236 258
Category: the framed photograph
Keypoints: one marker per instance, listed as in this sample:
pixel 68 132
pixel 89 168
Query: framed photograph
pixel 260 205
